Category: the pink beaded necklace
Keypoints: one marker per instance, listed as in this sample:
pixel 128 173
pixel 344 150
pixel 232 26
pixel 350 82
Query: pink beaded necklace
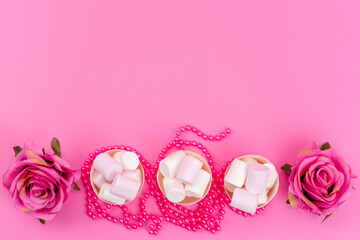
pixel 208 214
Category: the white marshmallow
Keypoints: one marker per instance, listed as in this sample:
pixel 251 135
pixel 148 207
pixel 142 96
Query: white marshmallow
pixel 171 164
pixel 129 160
pixel 244 200
pixel 107 166
pixel 198 188
pixel 256 178
pixel 135 174
pixel 189 170
pixel 263 198
pixel 249 160
pixel 236 174
pixel 106 195
pixel 98 179
pixel 273 175
pixel 229 186
pixel 125 187
pixel 174 190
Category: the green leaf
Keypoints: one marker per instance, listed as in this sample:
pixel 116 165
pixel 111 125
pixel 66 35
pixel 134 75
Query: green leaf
pixel 325 146
pixel 43 150
pixel 326 217
pixel 287 169
pixel 55 145
pixel 287 201
pixel 76 187
pixel 42 221
pixel 17 150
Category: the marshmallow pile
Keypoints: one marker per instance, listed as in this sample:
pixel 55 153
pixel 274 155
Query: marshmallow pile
pixel 250 183
pixel 117 177
pixel 183 176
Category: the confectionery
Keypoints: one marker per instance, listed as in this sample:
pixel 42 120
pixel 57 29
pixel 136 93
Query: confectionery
pixel 125 187
pixel 198 188
pixel 273 175
pixel 191 177
pixel 106 195
pixel 99 179
pixel 189 169
pixel 128 160
pixel 107 166
pixel 170 165
pixel 117 176
pixel 237 173
pixel 254 176
pixel 244 200
pixel 174 190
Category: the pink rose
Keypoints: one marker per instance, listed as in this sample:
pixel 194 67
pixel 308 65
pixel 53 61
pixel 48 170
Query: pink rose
pixel 320 182
pixel 39 183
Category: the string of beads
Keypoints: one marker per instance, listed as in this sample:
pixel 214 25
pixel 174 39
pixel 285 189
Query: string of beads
pixel 208 213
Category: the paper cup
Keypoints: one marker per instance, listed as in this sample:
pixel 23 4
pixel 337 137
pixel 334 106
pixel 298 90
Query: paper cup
pixel 97 190
pixel 188 200
pixel 272 192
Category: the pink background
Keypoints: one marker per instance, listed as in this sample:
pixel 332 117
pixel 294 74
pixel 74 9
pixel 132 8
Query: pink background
pixel 280 74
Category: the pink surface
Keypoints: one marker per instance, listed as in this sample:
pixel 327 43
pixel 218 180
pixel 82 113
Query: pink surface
pixel 92 73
